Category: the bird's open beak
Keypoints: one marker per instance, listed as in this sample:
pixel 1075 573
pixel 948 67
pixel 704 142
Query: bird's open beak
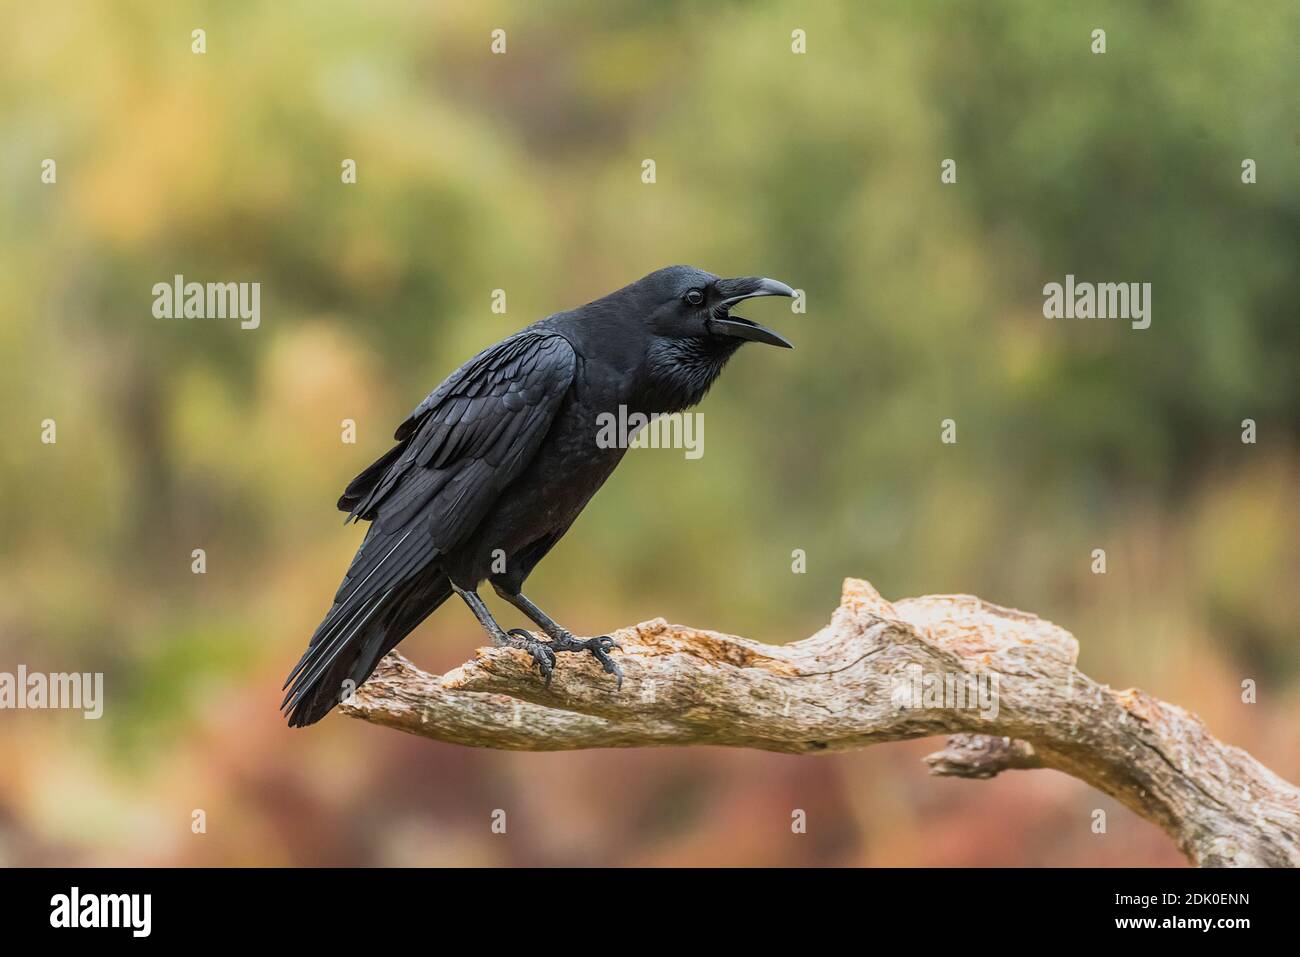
pixel 723 323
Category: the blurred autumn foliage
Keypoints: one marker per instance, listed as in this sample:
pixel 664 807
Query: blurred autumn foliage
pixel 522 172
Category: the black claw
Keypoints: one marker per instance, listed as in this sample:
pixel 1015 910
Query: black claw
pixel 544 652
pixel 600 648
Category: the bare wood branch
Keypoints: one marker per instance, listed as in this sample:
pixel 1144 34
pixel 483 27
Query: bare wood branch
pixel 866 678
pixel 980 756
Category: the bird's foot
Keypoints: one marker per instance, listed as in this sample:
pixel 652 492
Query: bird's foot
pixel 600 647
pixel 544 652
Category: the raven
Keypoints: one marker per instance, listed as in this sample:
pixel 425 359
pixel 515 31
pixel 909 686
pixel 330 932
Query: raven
pixel 492 468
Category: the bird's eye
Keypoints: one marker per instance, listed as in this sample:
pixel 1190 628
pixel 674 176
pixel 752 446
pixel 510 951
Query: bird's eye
pixel 695 297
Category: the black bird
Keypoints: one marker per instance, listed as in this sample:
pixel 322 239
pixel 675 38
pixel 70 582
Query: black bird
pixel 492 468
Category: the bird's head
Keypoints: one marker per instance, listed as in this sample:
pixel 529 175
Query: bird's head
pixel 692 331
pixel 688 303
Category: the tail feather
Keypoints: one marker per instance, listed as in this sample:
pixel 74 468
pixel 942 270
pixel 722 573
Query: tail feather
pixel 326 654
pixel 393 584
pixel 354 661
pixel 353 597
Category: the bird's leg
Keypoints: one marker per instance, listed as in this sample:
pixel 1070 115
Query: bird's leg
pixel 543 655
pixel 561 638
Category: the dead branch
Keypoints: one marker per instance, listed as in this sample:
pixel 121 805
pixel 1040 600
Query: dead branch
pixel 878 672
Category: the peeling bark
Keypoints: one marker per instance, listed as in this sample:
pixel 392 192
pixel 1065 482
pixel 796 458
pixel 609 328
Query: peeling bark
pixel 854 684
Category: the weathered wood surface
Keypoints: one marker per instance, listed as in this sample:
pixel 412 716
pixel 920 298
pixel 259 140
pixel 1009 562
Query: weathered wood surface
pixel 854 684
